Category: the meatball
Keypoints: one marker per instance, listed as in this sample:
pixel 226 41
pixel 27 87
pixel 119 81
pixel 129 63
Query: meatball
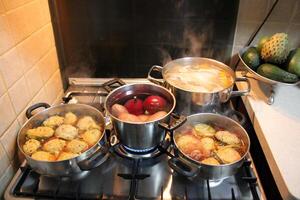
pixel 43 156
pixel 40 132
pixel 66 131
pixel 53 121
pixel 228 155
pixel 31 146
pixel 54 146
pixel 91 136
pixel 87 123
pixel 66 156
pixel 70 118
pixel 204 130
pixel 210 161
pixel 227 137
pixel 76 146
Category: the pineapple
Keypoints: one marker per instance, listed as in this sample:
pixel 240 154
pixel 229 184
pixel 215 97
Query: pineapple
pixel 275 50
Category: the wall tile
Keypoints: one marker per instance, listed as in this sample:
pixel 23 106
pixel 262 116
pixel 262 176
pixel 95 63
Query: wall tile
pixel 258 9
pixel 19 94
pixel 35 15
pixel 4 161
pixel 5 179
pixel 6 39
pixel 7 113
pixel 9 139
pixel 296 17
pixel 10 4
pixel 48 65
pixel 244 31
pixel 293 34
pixel 53 86
pixel 2 86
pixel 34 80
pixel 22 116
pixel 46 11
pixel 11 67
pixel 41 96
pixel 2 10
pixel 283 11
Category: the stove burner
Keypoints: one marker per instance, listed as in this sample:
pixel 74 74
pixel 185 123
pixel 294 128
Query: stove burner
pixel 129 153
pixel 142 151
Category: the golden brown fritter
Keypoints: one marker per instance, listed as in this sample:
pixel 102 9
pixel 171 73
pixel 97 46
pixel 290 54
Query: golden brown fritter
pixel 70 118
pixel 31 146
pixel 76 146
pixel 40 132
pixel 228 155
pixel 66 131
pixel 43 156
pixel 207 143
pixel 210 161
pixel 204 130
pixel 66 156
pixel 54 146
pixel 86 123
pixel 53 121
pixel 227 137
pixel 91 136
pixel 188 143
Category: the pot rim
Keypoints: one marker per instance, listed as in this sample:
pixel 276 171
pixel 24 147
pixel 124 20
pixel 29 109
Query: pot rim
pixel 199 58
pixel 198 163
pixel 78 157
pixel 138 123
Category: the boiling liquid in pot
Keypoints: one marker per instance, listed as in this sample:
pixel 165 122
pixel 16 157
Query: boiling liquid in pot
pixel 199 78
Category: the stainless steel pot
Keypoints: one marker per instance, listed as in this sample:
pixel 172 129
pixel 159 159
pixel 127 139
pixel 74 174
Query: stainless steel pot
pixel 188 101
pixel 189 167
pixel 91 158
pixel 140 136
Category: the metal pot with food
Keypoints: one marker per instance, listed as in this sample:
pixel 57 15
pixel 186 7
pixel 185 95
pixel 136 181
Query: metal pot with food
pixel 63 140
pixel 197 82
pixel 138 113
pixel 209 146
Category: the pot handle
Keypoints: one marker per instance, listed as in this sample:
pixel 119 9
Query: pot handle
pixel 182 168
pixel 35 106
pixel 95 160
pixel 243 92
pixel 155 68
pixel 108 86
pixel 178 121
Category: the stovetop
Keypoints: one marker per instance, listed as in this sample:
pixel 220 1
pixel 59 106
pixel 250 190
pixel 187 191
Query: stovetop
pixel 122 177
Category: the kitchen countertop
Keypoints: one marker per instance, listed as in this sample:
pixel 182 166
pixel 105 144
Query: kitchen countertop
pixel 278 129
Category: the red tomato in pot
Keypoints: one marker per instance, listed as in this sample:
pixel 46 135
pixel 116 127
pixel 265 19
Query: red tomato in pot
pixel 134 106
pixel 154 103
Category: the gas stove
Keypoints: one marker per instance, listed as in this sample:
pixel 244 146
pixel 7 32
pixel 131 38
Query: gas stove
pixel 128 174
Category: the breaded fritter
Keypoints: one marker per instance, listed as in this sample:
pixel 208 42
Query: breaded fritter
pixel 66 131
pixel 40 132
pixel 204 130
pixel 43 156
pixel 227 137
pixel 210 161
pixel 91 136
pixel 53 121
pixel 31 146
pixel 86 123
pixel 76 146
pixel 66 156
pixel 228 155
pixel 70 118
pixel 54 146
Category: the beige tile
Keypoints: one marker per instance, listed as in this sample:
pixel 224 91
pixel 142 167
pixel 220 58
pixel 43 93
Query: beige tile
pixel 41 96
pixel 53 86
pixel 48 65
pixel 19 94
pixel 34 80
pixel 258 9
pixel 9 139
pixel 2 86
pixel 5 179
pixel 293 34
pixel 4 161
pixel 11 4
pixel 243 32
pixel 6 39
pixel 296 17
pixel 19 20
pixel 2 9
pixel 11 67
pixel 7 113
pixel 283 11
pixel 58 99
pixel 22 116
pixel 46 11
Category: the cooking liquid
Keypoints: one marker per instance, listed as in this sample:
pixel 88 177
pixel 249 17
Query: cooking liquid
pixel 199 78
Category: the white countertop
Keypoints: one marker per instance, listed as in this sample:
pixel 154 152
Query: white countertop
pixel 278 129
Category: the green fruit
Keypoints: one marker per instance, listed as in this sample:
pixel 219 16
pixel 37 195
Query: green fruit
pixel 276 73
pixel 251 58
pixel 275 50
pixel 294 62
pixel 261 42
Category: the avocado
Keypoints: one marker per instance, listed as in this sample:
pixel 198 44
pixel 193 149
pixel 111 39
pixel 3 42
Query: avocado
pixel 294 62
pixel 251 58
pixel 276 73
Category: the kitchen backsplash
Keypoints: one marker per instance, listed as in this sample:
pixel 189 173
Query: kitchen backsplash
pixel 29 72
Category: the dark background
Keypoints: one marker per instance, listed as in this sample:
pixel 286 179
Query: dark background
pixel 124 38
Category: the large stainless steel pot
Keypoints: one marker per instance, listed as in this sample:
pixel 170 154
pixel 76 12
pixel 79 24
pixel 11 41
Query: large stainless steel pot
pixel 188 101
pixel 91 158
pixel 193 167
pixel 140 136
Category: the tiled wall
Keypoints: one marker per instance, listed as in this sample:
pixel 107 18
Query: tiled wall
pixel 284 18
pixel 29 72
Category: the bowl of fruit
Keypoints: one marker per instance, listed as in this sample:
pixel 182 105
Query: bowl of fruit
pixel 272 61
